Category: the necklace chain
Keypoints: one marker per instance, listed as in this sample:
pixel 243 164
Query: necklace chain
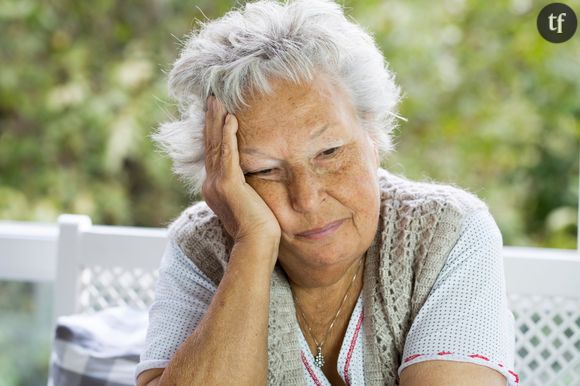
pixel 319 358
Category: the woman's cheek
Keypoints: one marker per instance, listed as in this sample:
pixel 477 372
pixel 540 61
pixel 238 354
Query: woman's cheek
pixel 264 188
pixel 274 195
pixel 348 164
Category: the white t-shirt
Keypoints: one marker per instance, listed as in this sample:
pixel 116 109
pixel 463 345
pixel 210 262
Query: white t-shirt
pixel 465 317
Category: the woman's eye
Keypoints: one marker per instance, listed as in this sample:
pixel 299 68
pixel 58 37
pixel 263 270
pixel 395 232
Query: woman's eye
pixel 330 152
pixel 264 172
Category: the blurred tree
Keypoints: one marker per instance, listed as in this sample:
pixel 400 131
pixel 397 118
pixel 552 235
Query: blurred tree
pixel 492 107
pixel 82 86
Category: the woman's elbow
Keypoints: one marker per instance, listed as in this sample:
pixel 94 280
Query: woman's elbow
pixel 150 377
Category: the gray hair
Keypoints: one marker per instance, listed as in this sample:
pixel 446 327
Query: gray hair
pixel 235 55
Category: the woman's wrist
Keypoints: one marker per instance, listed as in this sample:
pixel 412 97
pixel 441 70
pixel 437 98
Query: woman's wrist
pixel 261 251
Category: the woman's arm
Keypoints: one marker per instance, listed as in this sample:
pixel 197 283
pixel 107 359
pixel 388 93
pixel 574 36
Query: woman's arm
pixel 183 299
pixel 229 346
pixel 443 373
pixel 149 377
pixel 464 332
pixel 230 343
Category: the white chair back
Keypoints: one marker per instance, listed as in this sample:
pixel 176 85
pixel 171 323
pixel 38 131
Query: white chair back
pixel 103 266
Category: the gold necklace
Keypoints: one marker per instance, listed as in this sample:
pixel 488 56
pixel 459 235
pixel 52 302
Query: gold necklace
pixel 319 357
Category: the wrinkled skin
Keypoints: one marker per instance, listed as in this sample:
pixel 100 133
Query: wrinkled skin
pixel 310 178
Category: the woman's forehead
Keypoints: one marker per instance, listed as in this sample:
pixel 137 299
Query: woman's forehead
pixel 304 110
pixel 298 138
pixel 293 134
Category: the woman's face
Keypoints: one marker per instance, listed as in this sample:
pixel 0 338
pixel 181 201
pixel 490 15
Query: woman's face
pixel 304 153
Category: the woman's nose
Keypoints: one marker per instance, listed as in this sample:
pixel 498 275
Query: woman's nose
pixel 305 191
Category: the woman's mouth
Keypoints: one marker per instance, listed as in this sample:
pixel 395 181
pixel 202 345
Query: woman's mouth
pixel 319 233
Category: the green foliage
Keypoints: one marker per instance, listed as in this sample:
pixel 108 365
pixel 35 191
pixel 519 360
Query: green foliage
pixel 491 106
pixel 81 89
pixel 24 335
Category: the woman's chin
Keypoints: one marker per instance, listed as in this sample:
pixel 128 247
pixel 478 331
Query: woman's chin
pixel 321 258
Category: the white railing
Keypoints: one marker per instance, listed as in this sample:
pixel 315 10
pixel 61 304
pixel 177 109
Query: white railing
pixel 93 267
pixel 28 252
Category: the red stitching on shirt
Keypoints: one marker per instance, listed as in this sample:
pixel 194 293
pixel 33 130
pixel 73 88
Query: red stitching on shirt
pixel 412 357
pixel 351 349
pixel 515 375
pixel 478 356
pixel 310 371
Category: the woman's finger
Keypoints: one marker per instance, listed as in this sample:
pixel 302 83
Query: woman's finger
pixel 212 138
pixel 229 150
pixel 219 116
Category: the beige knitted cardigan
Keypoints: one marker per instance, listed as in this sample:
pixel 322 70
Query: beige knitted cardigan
pixel 419 225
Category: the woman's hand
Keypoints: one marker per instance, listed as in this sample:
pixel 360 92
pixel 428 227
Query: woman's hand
pixel 244 214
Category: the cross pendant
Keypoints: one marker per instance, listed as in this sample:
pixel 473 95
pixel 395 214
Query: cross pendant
pixel 319 358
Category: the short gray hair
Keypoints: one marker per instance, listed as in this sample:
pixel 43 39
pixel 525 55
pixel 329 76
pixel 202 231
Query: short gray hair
pixel 235 55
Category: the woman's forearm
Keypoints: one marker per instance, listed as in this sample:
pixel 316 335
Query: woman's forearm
pixel 230 344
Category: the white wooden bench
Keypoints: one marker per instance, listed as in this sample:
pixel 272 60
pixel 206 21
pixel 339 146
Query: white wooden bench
pixel 95 267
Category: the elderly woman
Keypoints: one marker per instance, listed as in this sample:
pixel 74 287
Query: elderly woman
pixel 309 264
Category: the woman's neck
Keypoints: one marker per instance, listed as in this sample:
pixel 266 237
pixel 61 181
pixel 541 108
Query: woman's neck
pixel 320 303
pixel 316 312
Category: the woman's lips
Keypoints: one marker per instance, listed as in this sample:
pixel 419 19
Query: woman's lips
pixel 320 233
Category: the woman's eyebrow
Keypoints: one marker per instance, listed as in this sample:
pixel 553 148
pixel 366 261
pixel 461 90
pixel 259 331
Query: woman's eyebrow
pixel 254 151
pixel 319 132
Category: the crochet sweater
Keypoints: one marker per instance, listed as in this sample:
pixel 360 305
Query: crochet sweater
pixel 419 224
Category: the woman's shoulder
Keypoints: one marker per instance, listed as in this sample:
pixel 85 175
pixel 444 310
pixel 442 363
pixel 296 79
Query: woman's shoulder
pixel 199 233
pixel 400 191
pixel 195 219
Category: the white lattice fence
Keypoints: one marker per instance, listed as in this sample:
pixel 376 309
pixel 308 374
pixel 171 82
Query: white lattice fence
pixel 103 266
pixel 547 339
pixel 109 287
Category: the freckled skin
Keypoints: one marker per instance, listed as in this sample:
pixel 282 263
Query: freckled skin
pixel 307 189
